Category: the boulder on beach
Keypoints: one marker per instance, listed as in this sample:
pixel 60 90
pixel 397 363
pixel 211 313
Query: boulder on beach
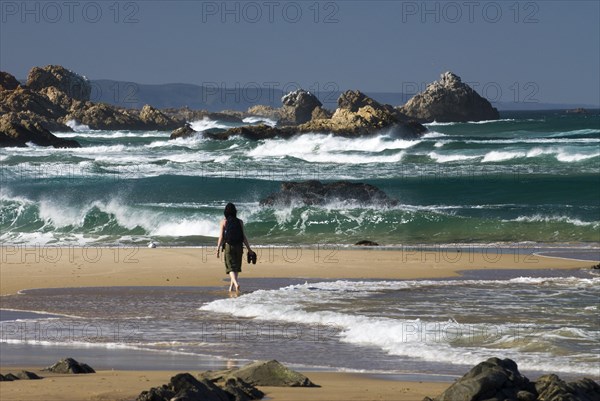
pixel 26 375
pixel 9 377
pixel 261 373
pixel 71 366
pixel 449 100
pixel 184 386
pixel 500 380
pixel 314 192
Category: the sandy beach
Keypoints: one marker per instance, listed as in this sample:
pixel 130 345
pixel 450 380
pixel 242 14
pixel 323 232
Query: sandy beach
pixel 24 268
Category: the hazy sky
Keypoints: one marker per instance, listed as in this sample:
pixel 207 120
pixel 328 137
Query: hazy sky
pixel 546 51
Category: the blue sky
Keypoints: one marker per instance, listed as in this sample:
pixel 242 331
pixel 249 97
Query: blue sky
pixel 519 51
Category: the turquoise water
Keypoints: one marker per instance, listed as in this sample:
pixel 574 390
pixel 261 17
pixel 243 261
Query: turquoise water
pixel 531 176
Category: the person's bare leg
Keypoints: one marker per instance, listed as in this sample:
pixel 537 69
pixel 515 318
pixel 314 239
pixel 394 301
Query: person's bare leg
pixel 234 282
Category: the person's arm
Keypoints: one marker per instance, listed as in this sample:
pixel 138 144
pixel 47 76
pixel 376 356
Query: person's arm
pixel 220 240
pixel 245 239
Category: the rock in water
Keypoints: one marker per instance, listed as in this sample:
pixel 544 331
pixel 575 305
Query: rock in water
pixel 366 242
pixel 299 105
pixel 183 132
pixel 317 193
pixel 74 85
pixel 70 365
pixel 15 131
pixel 449 100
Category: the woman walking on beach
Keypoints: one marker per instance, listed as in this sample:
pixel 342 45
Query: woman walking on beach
pixel 231 238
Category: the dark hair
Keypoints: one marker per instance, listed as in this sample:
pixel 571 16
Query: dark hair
pixel 230 210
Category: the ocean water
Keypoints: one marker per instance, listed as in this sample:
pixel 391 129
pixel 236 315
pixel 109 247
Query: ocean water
pixel 531 176
pixel 545 321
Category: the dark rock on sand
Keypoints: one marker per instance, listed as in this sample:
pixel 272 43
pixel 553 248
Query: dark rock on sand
pixel 298 106
pixel 183 132
pixel 317 193
pixel 366 242
pixel 449 100
pixel 500 380
pixel 552 388
pixel 26 375
pixel 262 373
pixel 8 81
pixel 184 386
pixel 4 379
pixel 68 82
pixel 18 131
pixel 9 377
pixel 70 365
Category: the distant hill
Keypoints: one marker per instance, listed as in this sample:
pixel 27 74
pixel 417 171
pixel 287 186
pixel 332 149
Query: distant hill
pixel 212 98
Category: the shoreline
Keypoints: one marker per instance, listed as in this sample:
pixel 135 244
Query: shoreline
pixel 28 268
pixel 43 267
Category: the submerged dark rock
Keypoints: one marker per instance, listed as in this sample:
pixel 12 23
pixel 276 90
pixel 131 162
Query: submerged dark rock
pixel 70 365
pixel 317 193
pixel 449 100
pixel 366 242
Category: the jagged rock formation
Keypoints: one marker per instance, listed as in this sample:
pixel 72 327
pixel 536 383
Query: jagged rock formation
pixel 73 85
pixel 18 130
pixel 298 106
pixel 449 100
pixel 8 81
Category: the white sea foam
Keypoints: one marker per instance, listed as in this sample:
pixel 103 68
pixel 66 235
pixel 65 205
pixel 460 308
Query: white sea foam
pixel 76 126
pixel 207 123
pixel 538 218
pixel 498 156
pixel 333 149
pixel 575 157
pixel 447 158
pixel 261 120
pixel 434 341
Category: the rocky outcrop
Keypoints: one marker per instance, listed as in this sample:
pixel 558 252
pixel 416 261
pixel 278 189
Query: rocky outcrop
pixel 8 81
pixel 298 106
pixel 317 193
pixel 184 386
pixel 265 111
pixel 157 119
pixel 449 100
pixel 183 132
pixel 500 380
pixel 357 115
pixel 18 129
pixel 70 365
pixel 104 116
pixel 261 373
pixel 66 81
